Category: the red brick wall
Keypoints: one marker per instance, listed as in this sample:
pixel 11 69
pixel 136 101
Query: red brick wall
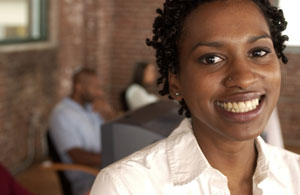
pixel 85 39
pixel 71 54
pixel 104 41
pixel 27 93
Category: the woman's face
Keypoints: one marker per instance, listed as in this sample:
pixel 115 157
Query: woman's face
pixel 229 72
pixel 149 75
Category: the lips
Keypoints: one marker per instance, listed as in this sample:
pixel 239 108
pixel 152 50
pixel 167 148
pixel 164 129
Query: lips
pixel 241 107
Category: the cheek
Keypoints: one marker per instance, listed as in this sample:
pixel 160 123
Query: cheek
pixel 277 83
pixel 198 91
pixel 149 77
pixel 272 83
pixel 274 78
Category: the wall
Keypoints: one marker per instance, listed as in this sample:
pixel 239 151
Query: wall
pixel 85 40
pixel 26 80
pixel 27 95
pixel 289 101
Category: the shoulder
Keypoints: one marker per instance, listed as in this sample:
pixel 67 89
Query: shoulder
pixel 145 158
pixel 283 162
pixel 62 105
pixel 64 115
pixel 134 88
pixel 282 154
pixel 140 169
pixel 65 108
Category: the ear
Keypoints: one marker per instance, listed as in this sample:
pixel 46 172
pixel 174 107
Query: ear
pixel 174 86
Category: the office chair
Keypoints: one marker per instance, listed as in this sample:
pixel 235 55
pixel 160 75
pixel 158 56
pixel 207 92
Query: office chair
pixel 60 167
pixel 65 183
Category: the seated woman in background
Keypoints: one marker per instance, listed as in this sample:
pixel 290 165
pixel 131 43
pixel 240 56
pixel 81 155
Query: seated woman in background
pixel 220 60
pixel 136 95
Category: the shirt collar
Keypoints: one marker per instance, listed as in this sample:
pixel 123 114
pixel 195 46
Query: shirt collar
pixel 187 162
pixel 185 157
pixel 262 160
pixel 267 168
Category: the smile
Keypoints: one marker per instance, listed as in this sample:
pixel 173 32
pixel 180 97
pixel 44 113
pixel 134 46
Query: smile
pixel 239 107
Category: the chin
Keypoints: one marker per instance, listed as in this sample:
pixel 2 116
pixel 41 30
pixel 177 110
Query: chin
pixel 244 135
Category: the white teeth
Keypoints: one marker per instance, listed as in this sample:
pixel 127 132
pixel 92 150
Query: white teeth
pixel 239 107
pixel 235 106
pixel 229 105
pixel 249 104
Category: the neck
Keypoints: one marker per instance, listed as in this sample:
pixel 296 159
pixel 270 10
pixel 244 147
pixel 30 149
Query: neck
pixel 235 159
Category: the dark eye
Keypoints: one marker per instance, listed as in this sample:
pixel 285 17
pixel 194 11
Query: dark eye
pixel 210 59
pixel 259 52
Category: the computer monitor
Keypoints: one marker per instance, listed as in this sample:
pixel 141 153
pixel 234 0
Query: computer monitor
pixel 137 129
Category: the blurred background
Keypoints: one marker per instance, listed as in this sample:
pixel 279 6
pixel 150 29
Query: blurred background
pixel 42 43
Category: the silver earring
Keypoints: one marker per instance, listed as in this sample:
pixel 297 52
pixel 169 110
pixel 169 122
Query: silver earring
pixel 177 94
pixel 230 79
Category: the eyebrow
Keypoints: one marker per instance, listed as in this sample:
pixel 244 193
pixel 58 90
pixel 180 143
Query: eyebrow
pixel 253 39
pixel 220 44
pixel 208 44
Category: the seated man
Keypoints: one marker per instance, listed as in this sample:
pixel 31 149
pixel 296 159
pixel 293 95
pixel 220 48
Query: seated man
pixel 75 128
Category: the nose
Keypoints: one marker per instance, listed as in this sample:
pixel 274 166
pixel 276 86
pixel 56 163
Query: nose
pixel 241 74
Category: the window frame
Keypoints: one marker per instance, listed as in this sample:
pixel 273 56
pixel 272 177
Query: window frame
pixel 43 27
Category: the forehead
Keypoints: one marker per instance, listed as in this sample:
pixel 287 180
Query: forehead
pixel 90 79
pixel 230 18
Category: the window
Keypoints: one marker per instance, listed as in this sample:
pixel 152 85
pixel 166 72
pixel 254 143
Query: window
pixel 292 15
pixel 22 21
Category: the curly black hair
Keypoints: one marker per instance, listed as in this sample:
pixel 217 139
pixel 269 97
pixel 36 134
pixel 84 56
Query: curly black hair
pixel 167 31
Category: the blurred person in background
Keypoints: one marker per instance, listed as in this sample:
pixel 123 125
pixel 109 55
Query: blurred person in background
pixel 75 127
pixel 138 94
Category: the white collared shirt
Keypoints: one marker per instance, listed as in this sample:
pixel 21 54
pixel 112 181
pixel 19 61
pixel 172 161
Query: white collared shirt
pixel 137 97
pixel 177 166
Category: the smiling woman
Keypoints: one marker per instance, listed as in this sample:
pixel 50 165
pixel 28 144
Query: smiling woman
pixel 220 60
pixel 244 53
